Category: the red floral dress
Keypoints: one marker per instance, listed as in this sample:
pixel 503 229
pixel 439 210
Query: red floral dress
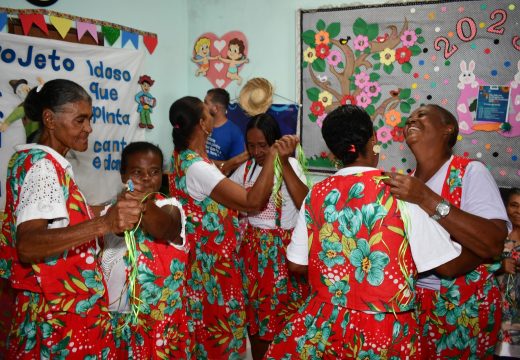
pixel 61 307
pixel 214 284
pixel 272 295
pixel 461 321
pixel 162 330
pixel 361 275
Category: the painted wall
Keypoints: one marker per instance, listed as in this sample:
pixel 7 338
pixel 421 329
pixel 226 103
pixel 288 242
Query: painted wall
pixel 167 65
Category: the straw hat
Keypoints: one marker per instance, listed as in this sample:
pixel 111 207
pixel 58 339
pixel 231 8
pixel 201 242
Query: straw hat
pixel 256 96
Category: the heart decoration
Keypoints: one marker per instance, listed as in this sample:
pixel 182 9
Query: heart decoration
pixel 220 59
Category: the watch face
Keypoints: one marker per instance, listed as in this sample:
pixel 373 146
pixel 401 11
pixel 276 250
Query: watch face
pixel 42 2
pixel 443 209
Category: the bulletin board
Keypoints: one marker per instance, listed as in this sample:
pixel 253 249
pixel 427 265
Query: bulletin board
pixel 391 58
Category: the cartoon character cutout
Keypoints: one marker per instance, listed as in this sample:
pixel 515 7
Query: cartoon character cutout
pixel 146 102
pixel 21 88
pixel 235 57
pixel 202 55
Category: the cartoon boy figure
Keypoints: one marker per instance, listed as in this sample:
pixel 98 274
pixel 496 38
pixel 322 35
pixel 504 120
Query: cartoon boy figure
pixel 202 55
pixel 146 101
pixel 235 58
pixel 21 88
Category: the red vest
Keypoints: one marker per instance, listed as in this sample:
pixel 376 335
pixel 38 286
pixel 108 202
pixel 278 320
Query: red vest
pixel 359 257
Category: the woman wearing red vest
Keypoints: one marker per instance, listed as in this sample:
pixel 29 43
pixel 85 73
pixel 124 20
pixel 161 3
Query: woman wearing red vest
pixel 459 316
pixel 48 246
pixel 357 241
pixel 216 302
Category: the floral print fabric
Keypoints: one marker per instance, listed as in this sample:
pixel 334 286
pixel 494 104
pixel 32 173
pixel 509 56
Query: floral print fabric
pixel 61 309
pixel 361 274
pixel 214 276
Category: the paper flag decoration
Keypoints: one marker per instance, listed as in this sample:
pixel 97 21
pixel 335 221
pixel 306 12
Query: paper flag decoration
pixel 111 34
pixel 83 27
pixel 129 36
pixel 37 19
pixel 61 24
pixel 3 20
pixel 150 42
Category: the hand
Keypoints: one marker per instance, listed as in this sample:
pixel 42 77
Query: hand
pixel 285 146
pixel 407 188
pixel 123 215
pixel 3 126
pixel 509 265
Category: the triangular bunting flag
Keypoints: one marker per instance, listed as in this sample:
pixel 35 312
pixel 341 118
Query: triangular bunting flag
pixel 83 27
pixel 150 42
pixel 61 24
pixel 111 34
pixel 133 37
pixel 3 20
pixel 37 19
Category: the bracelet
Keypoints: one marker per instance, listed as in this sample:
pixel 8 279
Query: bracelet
pixel 221 165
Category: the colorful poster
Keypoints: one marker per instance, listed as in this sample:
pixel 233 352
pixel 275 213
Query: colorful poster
pixel 109 75
pixel 391 58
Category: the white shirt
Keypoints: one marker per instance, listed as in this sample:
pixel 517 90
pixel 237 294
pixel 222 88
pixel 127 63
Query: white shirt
pixel 429 242
pixel 266 218
pixel 114 267
pixel 201 179
pixel 480 196
pixel 41 195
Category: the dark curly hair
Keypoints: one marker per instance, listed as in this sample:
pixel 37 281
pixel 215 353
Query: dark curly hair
pixel 346 131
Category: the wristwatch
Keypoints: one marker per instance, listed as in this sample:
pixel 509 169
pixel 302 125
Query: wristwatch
pixel 442 210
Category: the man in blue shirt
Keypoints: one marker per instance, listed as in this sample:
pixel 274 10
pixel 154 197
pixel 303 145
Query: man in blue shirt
pixel 225 145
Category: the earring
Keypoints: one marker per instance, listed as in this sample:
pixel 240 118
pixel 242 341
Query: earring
pixel 376 149
pixel 204 130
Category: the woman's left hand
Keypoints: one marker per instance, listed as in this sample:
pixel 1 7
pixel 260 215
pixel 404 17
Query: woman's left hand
pixel 408 188
pixel 286 145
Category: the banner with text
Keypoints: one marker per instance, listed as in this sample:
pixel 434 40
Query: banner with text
pixel 109 76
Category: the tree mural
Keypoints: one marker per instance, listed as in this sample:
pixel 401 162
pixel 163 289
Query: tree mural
pixel 349 71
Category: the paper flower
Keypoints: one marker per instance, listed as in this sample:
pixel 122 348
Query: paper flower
pixel 317 108
pixel 387 56
pixel 393 117
pixel 409 38
pixel 325 98
pixel 384 134
pixel 361 79
pixel 322 51
pixel 309 55
pixel 403 55
pixel 361 42
pixel 372 88
pixel 363 100
pixel 397 134
pixel 322 37
pixel 319 120
pixel 334 58
pixel 348 100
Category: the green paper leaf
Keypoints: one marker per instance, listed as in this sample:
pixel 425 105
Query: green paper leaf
pixel 376 99
pixel 111 34
pixel 377 66
pixel 341 65
pixel 374 76
pixel 420 39
pixel 319 65
pixel 411 101
pixel 416 50
pixel 305 64
pixel 372 31
pixel 320 25
pixel 333 29
pixel 308 37
pixel 313 117
pixel 376 57
pixel 381 122
pixel 418 31
pixel 406 67
pixel 388 68
pixel 370 109
pixel 405 93
pixel 405 107
pixel 313 94
pixel 357 53
pixel 360 27
pixel 385 146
